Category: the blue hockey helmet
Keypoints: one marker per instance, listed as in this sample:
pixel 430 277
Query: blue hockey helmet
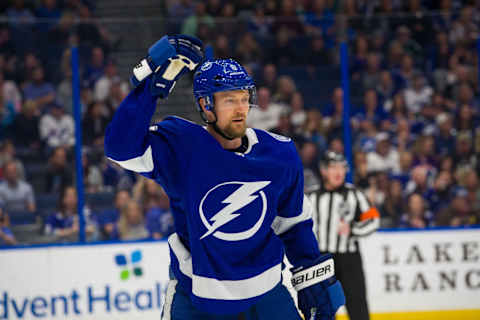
pixel 221 75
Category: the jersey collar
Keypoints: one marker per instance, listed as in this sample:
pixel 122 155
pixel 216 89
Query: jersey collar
pixel 252 139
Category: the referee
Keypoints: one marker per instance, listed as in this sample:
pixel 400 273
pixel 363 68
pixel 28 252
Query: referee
pixel 341 214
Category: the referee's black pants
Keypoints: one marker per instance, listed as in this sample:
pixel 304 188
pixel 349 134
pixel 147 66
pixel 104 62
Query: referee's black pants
pixel 349 270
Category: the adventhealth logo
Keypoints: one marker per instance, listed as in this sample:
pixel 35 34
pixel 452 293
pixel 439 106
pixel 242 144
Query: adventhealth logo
pixel 135 259
pixel 100 300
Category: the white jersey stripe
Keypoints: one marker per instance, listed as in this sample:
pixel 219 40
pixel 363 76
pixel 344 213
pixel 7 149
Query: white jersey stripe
pixel 323 204
pixel 167 306
pixel 210 288
pixel 281 224
pixel 143 163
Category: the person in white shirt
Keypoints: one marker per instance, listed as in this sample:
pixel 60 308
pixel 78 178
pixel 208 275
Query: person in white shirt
pixel 384 158
pixel 57 128
pixel 267 114
pixel 418 95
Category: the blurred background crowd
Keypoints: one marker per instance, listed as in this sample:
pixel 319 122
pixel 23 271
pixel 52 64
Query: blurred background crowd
pixel 414 93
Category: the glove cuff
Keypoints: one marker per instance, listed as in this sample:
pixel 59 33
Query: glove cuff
pixel 308 277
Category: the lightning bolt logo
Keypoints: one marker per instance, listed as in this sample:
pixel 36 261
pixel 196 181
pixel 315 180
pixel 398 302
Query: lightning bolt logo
pixel 237 200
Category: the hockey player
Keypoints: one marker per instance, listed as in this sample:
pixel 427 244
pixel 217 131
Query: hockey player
pixel 236 194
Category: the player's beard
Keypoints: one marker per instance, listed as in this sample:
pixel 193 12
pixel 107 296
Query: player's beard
pixel 235 129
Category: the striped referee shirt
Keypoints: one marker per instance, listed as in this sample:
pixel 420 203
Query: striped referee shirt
pixel 346 203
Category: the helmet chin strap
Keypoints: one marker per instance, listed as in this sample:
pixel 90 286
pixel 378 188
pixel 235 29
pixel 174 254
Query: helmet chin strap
pixel 214 125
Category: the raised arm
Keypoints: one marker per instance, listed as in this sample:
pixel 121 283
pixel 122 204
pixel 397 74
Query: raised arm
pixel 127 139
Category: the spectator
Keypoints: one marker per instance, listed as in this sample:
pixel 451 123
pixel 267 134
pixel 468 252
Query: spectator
pixel 7 238
pixel 361 178
pixel 95 68
pixel 445 137
pixel 285 90
pixel 459 212
pixel 371 109
pixel 248 51
pixel 90 33
pixel 9 91
pixel 405 160
pixel 116 96
pixel 385 157
pixel 159 218
pixel 393 205
pixel 365 140
pixel 180 10
pixel 7 47
pixel 64 89
pixel 24 71
pixel 21 21
pixel 464 156
pixel 259 23
pixel 385 87
pixel 49 14
pixel 410 46
pixel 288 19
pixel 145 190
pixel 419 181
pixel 26 127
pixel 419 95
pixel 108 220
pixel 283 54
pixel 93 177
pixel 425 152
pixel 7 116
pixel 222 47
pixel 309 157
pixel 130 224
pixel 63 224
pixel 320 21
pixel 38 90
pixel 298 115
pixel 317 54
pixel 465 121
pixel 94 125
pixel 214 7
pixel 57 128
pixel 267 114
pixel 59 172
pixel 371 75
pixel 62 34
pixel 8 153
pixel 269 77
pixel 103 86
pixel 333 114
pixel 464 28
pixel 191 24
pixel 406 71
pixel 417 216
pixel 16 194
pixel 395 56
pixel 313 130
pixel 441 190
pixel 404 139
pixel 471 184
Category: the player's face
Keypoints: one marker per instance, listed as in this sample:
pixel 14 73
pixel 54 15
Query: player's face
pixel 232 109
pixel 334 175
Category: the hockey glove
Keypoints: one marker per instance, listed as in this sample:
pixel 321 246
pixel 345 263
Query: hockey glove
pixel 168 59
pixel 320 294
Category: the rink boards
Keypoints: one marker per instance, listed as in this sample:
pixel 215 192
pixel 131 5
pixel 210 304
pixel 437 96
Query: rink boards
pixel 410 275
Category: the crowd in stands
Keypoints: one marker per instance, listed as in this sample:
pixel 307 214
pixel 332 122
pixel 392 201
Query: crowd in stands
pixel 414 104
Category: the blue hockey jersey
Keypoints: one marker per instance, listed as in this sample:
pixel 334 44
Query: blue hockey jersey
pixel 234 213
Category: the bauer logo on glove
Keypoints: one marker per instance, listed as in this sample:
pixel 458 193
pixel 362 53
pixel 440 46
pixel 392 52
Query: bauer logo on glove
pixel 313 275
